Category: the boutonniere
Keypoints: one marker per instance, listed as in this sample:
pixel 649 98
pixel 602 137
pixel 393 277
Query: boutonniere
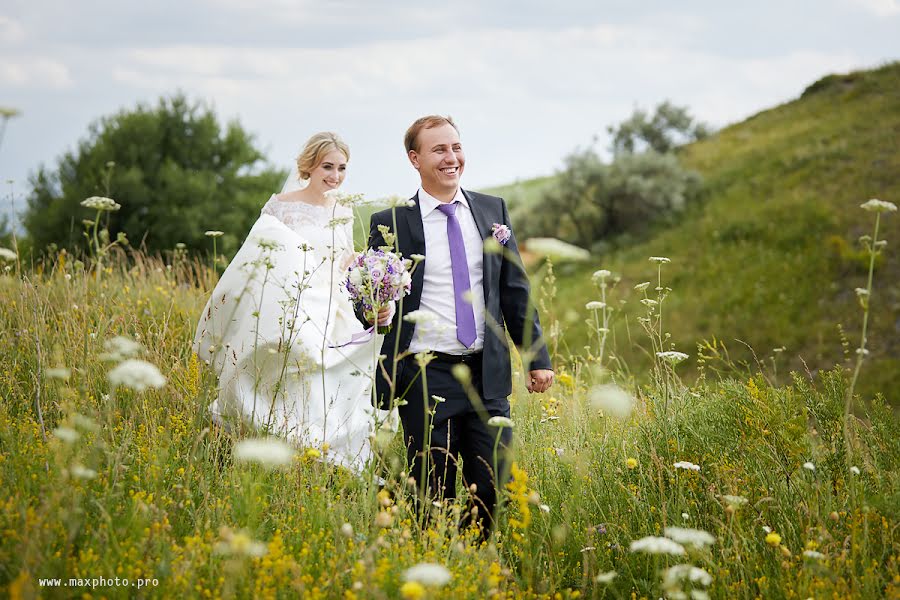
pixel 501 233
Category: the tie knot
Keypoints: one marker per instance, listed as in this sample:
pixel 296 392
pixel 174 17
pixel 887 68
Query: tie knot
pixel 448 209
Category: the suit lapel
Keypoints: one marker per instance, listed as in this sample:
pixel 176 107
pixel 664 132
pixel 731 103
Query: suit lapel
pixel 413 242
pixel 484 223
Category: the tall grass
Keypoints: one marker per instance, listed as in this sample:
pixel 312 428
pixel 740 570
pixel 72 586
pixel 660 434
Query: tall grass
pixel 103 483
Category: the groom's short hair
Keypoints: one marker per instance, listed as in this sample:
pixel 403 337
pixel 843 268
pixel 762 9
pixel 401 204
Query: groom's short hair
pixel 429 122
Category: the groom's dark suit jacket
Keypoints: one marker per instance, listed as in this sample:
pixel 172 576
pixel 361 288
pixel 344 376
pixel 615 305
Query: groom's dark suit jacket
pixel 506 296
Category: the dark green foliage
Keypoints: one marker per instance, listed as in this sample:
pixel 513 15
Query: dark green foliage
pixel 669 127
pixel 594 202
pixel 177 174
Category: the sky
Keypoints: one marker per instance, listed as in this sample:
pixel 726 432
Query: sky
pixel 526 81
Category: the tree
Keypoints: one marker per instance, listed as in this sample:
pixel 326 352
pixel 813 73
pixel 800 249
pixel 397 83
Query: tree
pixel 670 127
pixel 644 184
pixel 172 167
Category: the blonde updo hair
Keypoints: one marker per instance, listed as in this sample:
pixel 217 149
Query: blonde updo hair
pixel 315 150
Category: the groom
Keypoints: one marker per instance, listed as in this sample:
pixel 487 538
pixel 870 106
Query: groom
pixel 475 296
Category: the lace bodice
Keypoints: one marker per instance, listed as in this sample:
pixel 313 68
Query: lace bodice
pixel 325 228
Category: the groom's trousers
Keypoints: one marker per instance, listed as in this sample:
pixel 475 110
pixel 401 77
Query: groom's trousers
pixel 458 430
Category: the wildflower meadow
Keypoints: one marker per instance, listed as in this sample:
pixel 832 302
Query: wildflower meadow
pixel 115 482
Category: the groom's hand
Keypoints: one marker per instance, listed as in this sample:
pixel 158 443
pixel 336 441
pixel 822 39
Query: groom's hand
pixel 539 380
pixel 386 314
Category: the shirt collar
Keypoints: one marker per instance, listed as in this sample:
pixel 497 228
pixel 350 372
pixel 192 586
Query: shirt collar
pixel 428 203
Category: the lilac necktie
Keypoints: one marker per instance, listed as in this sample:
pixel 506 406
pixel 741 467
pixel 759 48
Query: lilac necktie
pixel 465 316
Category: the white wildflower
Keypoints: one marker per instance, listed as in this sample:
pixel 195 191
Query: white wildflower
pixel 82 472
pixel 809 466
pixel 649 302
pixel 674 575
pixel 855 470
pixel 347 530
pixel 67 434
pixel 660 260
pixel 861 292
pixel 672 356
pixel 417 257
pixel 101 203
pixel 685 516
pixel 556 249
pixel 767 529
pixel 606 577
pixel 688 466
pixel 84 422
pixel 642 286
pixel 214 234
pixel 656 545
pixel 595 305
pixel 58 373
pixel 239 544
pixel 120 348
pixel 875 205
pixel 500 421
pixel 136 374
pixel 6 254
pixel 602 274
pixel 813 554
pixel 690 537
pixel 544 508
pixel 733 500
pixel 430 574
pixel 420 316
pixel 268 452
pixel 612 400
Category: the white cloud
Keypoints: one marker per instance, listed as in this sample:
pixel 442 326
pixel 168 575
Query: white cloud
pixel 881 8
pixel 34 72
pixel 11 31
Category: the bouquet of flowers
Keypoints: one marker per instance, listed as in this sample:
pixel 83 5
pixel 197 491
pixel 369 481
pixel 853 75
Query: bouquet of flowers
pixel 374 278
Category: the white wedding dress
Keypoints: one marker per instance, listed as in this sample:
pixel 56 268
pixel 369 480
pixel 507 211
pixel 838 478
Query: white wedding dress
pixel 271 326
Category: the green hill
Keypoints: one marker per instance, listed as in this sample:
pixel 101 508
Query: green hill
pixel 771 259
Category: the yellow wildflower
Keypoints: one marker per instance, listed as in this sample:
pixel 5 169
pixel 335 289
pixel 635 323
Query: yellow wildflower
pixel 773 539
pixel 412 590
pixel 631 463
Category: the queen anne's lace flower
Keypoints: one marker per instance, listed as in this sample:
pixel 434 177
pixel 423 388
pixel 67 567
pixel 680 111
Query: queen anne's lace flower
pixel 267 452
pixel 612 400
pixel 101 203
pixel 688 466
pixel 136 374
pixel 656 545
pixel 500 421
pixel 672 356
pixel 875 205
pixel 690 537
pixel 430 574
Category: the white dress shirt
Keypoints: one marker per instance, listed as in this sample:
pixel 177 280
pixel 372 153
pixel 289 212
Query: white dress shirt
pixel 439 333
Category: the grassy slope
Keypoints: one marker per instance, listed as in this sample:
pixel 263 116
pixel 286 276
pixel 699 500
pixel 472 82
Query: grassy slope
pixel 769 260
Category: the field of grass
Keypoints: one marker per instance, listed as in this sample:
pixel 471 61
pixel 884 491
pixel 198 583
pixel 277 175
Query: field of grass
pixel 103 482
pixel 767 265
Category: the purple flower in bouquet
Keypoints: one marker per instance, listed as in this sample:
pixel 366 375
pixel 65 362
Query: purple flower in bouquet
pixel 375 278
pixel 501 233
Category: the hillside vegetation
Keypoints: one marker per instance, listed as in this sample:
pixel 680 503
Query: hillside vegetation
pixel 771 258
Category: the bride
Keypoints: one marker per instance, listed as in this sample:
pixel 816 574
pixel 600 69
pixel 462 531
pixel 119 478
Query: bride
pixel 277 326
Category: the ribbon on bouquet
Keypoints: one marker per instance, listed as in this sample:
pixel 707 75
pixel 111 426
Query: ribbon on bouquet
pixel 357 338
